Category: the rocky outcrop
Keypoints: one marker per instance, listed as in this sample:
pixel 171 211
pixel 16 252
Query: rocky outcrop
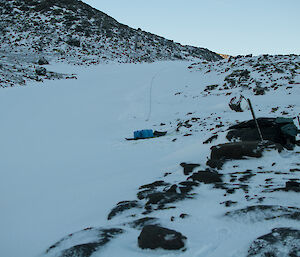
pixel 279 242
pixel 238 151
pixel 76 244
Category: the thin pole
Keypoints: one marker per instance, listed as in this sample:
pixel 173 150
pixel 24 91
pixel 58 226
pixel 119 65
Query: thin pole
pixel 256 123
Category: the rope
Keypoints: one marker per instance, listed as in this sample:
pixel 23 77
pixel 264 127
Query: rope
pixel 150 96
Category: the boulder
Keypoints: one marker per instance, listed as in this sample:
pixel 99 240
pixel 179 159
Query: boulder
pixel 292 185
pixel 278 130
pixel 207 177
pixel 153 237
pixel 238 151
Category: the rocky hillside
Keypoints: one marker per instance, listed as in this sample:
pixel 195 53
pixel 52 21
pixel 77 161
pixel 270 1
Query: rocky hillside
pixel 260 74
pixel 74 31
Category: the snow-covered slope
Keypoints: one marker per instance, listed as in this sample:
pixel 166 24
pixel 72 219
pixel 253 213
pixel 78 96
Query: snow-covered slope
pixel 72 31
pixel 66 164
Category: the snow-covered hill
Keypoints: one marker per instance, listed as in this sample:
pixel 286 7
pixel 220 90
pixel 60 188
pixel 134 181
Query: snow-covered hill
pixel 72 31
pixel 66 165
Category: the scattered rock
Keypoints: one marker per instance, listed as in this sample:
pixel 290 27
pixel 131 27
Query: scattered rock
pixel 229 203
pixel 183 215
pixel 72 244
pixel 140 223
pixel 153 237
pixel 187 186
pixel 43 61
pixel 259 91
pixel 123 206
pixel 207 177
pixel 154 185
pixel 188 167
pixel 257 213
pixel 280 242
pixel 41 71
pixel 209 140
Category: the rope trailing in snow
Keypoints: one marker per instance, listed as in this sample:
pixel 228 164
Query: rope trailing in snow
pixel 150 96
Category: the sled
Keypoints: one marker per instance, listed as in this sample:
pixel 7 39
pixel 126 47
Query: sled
pixel 155 135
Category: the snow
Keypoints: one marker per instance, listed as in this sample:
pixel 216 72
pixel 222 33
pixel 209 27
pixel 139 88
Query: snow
pixel 65 161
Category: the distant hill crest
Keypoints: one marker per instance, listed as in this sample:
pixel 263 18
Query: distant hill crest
pixel 77 32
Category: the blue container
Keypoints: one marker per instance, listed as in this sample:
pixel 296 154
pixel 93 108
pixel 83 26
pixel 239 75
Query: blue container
pixel 145 133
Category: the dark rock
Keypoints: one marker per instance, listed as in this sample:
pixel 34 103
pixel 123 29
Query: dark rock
pixel 123 206
pixel 292 184
pixel 229 203
pixel 151 188
pixel 183 215
pixel 98 237
pixel 258 213
pixel 84 250
pixel 154 185
pixel 277 130
pixel 209 140
pixel 280 242
pixel 188 167
pixel 230 190
pixel 187 186
pixel 259 91
pixel 153 237
pixel 172 189
pixel 216 164
pixel 262 122
pixel 43 61
pixel 41 71
pixel 246 177
pixel 73 42
pixel 163 198
pixel 207 177
pixel 238 151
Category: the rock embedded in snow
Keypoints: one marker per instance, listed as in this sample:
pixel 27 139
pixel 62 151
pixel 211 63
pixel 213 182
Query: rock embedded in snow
pixel 273 129
pixel 238 151
pixel 83 243
pixel 207 177
pixel 41 71
pixel 43 61
pixel 153 237
pixel 121 207
pixel 280 242
pixel 188 167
